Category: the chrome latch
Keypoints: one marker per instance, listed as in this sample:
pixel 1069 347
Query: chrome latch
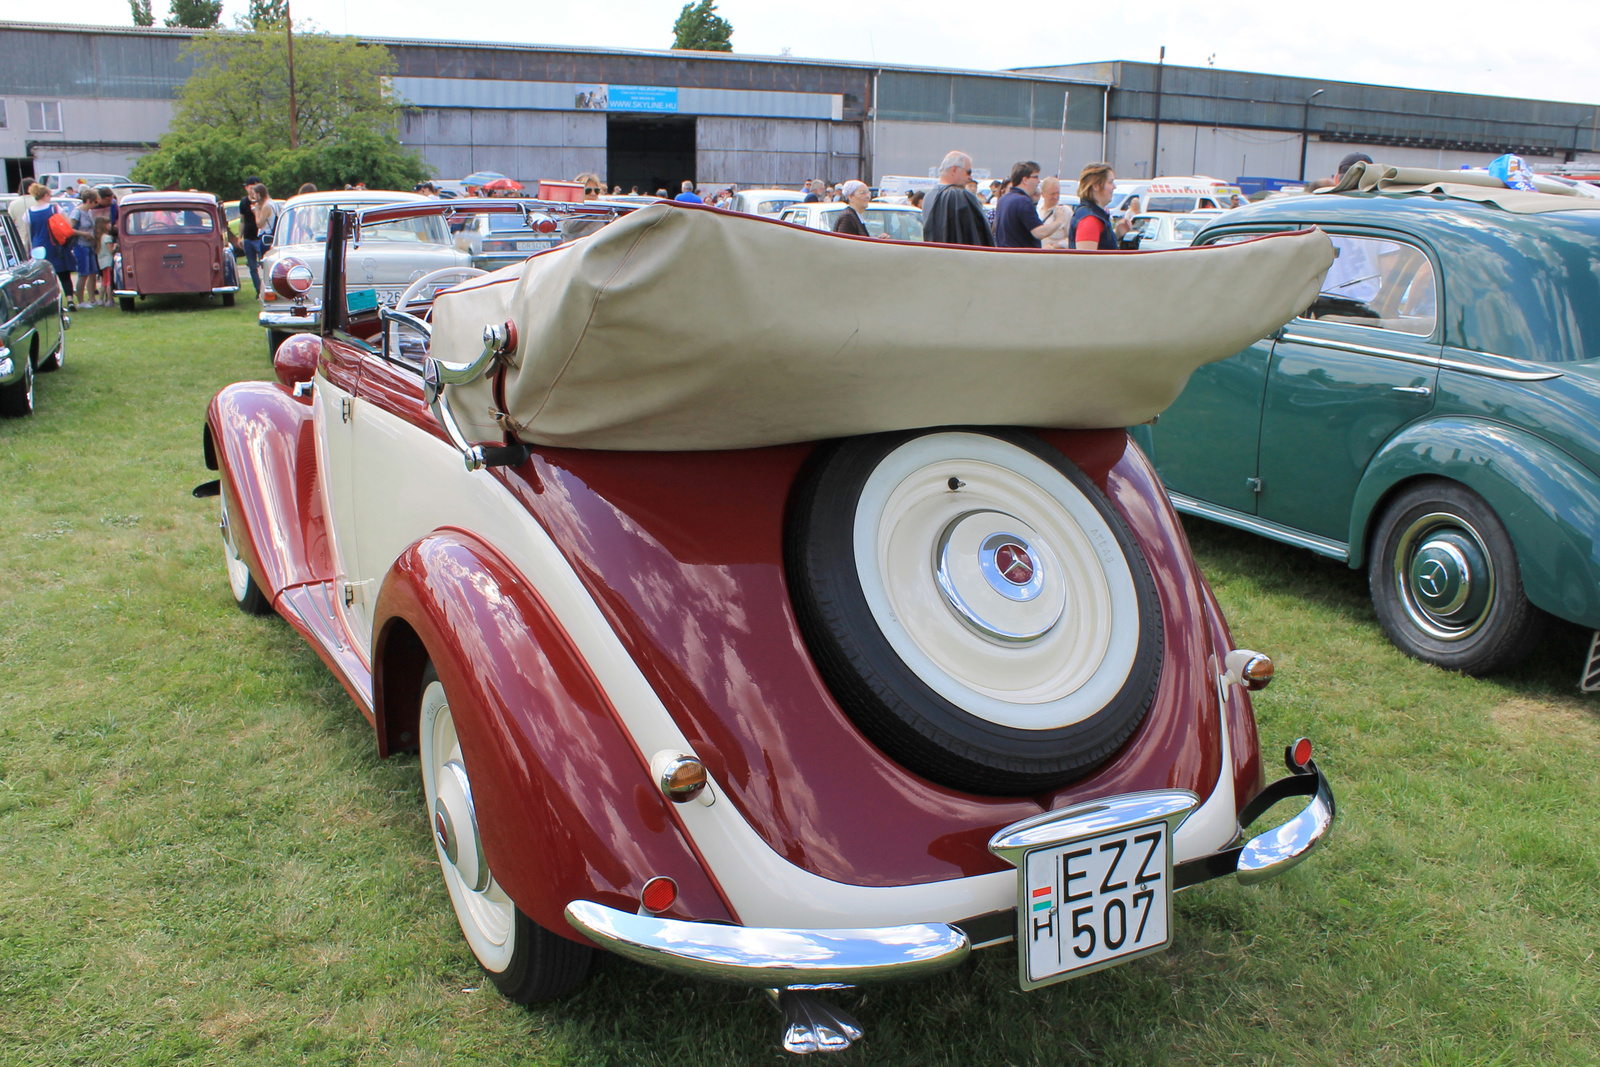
pixel 1253 484
pixel 347 407
pixel 499 342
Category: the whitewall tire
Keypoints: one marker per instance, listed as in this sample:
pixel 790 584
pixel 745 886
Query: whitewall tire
pixel 975 604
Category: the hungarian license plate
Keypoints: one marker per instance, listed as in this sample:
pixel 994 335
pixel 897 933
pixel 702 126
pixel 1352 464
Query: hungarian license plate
pixel 1095 902
pixel 529 246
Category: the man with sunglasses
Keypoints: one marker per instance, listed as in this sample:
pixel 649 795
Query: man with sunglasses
pixel 951 214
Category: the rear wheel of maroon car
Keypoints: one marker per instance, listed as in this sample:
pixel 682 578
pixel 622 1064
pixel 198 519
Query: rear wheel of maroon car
pixel 975 604
pixel 526 962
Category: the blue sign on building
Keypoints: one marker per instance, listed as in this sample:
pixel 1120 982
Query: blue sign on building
pixel 642 98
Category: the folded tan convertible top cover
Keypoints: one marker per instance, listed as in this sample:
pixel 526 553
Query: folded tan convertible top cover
pixel 686 328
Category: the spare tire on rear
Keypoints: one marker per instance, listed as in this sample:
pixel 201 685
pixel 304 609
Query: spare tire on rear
pixel 975 604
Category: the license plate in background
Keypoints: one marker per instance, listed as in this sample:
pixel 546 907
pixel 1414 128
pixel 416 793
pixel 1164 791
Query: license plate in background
pixel 1095 902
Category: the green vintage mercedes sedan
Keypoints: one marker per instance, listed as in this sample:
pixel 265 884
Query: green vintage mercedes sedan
pixel 1433 417
pixel 33 321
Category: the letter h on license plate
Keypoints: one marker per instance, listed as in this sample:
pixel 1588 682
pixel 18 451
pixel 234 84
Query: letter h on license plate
pixel 1094 884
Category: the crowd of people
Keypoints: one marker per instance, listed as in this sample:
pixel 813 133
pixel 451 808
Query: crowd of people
pixel 76 236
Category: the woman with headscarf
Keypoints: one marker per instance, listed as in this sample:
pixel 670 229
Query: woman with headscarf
pixel 853 219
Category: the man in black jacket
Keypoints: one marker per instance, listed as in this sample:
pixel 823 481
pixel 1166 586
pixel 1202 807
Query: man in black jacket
pixel 951 214
pixel 250 235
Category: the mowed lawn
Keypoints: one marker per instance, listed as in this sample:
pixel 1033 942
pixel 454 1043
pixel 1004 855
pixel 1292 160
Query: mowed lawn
pixel 202 860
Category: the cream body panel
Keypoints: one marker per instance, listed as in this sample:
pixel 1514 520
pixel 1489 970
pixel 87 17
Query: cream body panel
pixel 336 476
pixel 412 483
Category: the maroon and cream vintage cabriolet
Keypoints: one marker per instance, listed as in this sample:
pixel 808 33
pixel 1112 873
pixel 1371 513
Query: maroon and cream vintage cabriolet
pixel 172 243
pixel 765 648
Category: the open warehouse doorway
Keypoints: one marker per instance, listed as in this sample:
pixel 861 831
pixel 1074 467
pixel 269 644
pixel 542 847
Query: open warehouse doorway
pixel 649 151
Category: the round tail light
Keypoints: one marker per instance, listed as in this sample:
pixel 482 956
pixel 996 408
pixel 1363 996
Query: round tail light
pixel 291 279
pixel 1299 756
pixel 659 894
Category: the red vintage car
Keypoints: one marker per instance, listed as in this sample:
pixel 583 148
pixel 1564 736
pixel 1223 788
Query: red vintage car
pixel 772 648
pixel 172 243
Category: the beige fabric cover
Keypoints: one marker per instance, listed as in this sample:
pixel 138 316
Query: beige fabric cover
pixel 688 328
pixel 1463 185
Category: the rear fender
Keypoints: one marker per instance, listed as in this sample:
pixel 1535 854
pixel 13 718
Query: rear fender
pixel 1548 501
pixel 263 442
pixel 565 806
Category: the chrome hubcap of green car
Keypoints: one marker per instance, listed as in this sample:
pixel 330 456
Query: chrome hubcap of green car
pixel 1444 576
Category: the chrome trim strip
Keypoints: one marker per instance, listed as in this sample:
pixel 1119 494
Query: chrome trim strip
pixel 1322 546
pixel 1444 363
pixel 1505 374
pixel 1363 350
pixel 1270 854
pixel 772 957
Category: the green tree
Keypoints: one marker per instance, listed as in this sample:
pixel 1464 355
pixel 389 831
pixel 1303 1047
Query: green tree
pixel 195 14
pixel 232 116
pixel 142 15
pixel 265 13
pixel 701 29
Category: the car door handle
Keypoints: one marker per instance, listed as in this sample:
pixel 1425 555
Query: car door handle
pixel 1418 390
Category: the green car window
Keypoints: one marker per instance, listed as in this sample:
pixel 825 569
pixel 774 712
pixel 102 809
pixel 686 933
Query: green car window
pixel 1376 283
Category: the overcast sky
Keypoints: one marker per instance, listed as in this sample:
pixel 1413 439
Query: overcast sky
pixel 1548 51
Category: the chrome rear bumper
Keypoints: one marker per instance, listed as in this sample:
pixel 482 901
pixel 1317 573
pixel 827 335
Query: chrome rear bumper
pixel 769 957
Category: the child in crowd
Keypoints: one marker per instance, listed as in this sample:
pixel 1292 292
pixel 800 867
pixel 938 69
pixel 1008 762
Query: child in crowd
pixel 104 246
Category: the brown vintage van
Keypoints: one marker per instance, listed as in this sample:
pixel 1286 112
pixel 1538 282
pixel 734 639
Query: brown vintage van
pixel 172 243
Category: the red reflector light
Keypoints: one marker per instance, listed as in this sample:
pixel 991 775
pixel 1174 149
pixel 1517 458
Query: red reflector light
pixel 659 894
pixel 545 226
pixel 1300 753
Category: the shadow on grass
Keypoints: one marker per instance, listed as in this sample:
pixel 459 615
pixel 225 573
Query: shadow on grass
pixel 1224 553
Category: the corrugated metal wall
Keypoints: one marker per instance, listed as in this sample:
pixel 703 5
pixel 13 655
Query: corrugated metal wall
pixel 784 152
pixel 523 144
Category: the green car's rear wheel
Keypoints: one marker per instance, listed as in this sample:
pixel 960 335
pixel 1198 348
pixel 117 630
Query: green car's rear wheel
pixel 1445 581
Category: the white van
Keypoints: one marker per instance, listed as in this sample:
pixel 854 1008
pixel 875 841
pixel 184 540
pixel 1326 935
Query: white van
pixel 65 181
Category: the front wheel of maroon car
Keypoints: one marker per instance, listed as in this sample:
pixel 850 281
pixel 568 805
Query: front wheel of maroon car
pixel 126 303
pixel 976 605
pixel 1445 581
pixel 526 962
pixel 246 593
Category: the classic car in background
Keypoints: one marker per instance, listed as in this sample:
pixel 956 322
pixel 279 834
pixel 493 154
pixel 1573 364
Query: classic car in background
pixel 392 258
pixel 1433 417
pixel 769 202
pixel 171 243
pixel 33 321
pixel 739 654
pixel 1163 230
pixel 499 240
pixel 898 222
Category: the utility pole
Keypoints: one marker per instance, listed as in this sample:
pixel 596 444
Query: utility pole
pixel 1305 130
pixel 1155 150
pixel 294 118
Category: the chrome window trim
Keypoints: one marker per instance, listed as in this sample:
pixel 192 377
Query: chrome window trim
pixel 1505 374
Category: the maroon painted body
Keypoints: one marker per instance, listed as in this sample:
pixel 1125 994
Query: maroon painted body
pixel 172 243
pixel 682 552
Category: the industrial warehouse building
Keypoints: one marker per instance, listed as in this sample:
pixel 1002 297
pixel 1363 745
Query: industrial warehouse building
pixel 95 98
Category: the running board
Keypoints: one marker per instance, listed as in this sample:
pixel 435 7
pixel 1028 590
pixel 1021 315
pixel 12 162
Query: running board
pixel 311 609
pixel 1322 546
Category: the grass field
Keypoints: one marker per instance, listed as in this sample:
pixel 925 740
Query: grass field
pixel 203 862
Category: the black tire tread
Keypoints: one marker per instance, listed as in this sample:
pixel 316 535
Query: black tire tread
pixel 1508 637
